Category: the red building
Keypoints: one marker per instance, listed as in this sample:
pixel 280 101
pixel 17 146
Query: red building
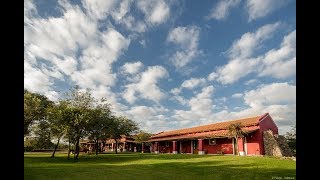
pixel 124 144
pixel 214 138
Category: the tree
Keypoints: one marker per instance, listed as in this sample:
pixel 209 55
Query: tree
pixel 29 143
pixel 35 106
pixel 121 126
pixel 141 137
pixel 291 139
pixel 100 119
pixel 43 135
pixel 58 122
pixel 80 104
pixel 235 131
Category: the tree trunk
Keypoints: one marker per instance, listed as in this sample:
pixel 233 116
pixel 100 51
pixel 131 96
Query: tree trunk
pixel 96 147
pixel 116 146
pixel 237 149
pixel 55 148
pixel 69 148
pixel 77 149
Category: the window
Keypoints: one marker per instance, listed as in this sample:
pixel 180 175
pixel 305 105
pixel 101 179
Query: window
pixel 167 144
pixel 212 142
pixel 195 144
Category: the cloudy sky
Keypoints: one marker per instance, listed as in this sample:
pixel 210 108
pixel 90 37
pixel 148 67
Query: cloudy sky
pixel 167 64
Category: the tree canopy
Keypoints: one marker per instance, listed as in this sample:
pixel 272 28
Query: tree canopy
pixel 235 130
pixel 35 109
pixel 78 115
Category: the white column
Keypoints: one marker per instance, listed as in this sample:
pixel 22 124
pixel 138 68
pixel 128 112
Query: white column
pixel 157 148
pixel 180 148
pixel 112 147
pixel 191 147
pixel 245 146
pixel 174 147
pixel 200 146
pixel 124 147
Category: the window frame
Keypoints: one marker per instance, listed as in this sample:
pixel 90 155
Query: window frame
pixel 215 141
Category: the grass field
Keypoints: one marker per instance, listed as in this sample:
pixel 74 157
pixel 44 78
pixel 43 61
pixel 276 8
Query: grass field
pixel 152 166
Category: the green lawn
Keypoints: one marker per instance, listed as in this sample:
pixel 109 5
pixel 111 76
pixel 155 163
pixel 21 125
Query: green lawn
pixel 151 166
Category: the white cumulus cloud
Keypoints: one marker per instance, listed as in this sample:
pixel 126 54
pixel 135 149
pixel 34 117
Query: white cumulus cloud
pixel 155 11
pixel 222 9
pixel 132 68
pixel 147 86
pixel 281 63
pixel 261 8
pixel 252 41
pixel 71 47
pixel 187 40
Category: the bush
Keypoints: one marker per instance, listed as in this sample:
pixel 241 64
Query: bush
pixel 28 149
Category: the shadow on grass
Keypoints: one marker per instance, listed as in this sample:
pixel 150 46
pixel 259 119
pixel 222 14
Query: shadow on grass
pixel 172 170
pixel 110 158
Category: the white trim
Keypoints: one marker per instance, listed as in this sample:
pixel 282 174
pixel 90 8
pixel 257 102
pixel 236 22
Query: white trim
pixel 201 152
pixel 245 146
pixel 264 118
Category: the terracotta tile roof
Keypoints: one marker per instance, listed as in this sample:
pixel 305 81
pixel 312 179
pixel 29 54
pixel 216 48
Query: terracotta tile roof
pixel 211 134
pixel 246 122
pixel 123 139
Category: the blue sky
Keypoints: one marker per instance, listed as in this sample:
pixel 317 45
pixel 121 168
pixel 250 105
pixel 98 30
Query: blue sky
pixel 167 64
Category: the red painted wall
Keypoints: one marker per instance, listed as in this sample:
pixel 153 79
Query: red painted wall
pixel 265 124
pixel 253 143
pixel 165 149
pixel 240 144
pixel 224 144
pixel 186 146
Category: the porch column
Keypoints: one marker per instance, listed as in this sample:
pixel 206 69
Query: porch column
pixel 180 147
pixel 111 146
pixel 174 147
pixel 191 146
pixel 200 146
pixel 156 149
pixel 124 147
pixel 142 150
pixel 240 147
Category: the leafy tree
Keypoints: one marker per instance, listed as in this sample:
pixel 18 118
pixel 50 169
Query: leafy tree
pixel 100 119
pixel 142 136
pixel 29 143
pixel 43 135
pixel 121 126
pixel 235 130
pixel 35 106
pixel 58 122
pixel 291 139
pixel 80 104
